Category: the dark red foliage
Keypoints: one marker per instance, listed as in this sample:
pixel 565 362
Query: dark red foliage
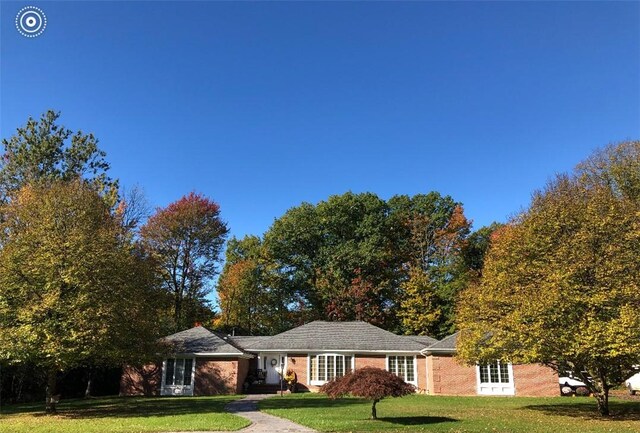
pixel 368 382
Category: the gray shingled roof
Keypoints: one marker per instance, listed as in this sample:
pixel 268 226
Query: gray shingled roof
pixel 425 340
pixel 200 340
pixel 244 341
pixel 352 336
pixel 447 344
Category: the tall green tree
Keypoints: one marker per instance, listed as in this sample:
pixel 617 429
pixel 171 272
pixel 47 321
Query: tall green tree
pixel 73 290
pixel 44 150
pixel 186 239
pixel 432 233
pixel 561 282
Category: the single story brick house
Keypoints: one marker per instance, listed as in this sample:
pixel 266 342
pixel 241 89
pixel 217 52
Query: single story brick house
pixel 204 362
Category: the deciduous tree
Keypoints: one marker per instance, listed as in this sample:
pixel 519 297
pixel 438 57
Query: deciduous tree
pixel 186 239
pixel 73 290
pixel 369 382
pixel 561 282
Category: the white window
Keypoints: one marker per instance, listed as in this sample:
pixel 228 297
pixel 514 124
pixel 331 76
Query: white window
pixel 326 366
pixel 495 378
pixel 404 367
pixel 177 376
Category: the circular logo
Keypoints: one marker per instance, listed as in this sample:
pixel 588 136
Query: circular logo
pixel 31 21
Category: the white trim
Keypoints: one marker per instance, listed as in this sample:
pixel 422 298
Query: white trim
pixel 215 354
pixel 174 390
pixel 315 354
pixel 337 351
pixel 429 351
pixel 415 367
pixel 496 388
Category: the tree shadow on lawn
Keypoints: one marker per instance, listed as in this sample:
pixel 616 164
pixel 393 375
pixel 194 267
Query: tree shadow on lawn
pixel 620 410
pixel 127 407
pixel 310 403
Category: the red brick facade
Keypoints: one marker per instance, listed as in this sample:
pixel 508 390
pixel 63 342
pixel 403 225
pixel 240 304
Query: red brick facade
pixel 220 375
pixel 446 376
pixel 212 376
pixel 535 380
pixel 141 380
pixel 299 364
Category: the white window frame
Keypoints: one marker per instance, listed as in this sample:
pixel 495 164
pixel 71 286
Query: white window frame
pixel 315 355
pixel 177 389
pixel 495 388
pixel 413 382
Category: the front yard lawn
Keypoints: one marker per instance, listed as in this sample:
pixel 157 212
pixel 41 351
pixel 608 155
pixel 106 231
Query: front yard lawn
pixel 123 415
pixel 456 414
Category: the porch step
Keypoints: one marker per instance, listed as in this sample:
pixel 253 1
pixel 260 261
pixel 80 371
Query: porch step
pixel 264 389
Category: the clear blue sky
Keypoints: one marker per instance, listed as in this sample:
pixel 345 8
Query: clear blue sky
pixel 264 105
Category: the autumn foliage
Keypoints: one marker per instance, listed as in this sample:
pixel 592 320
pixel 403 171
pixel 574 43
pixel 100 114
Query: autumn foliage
pixel 186 239
pixel 561 282
pixel 370 383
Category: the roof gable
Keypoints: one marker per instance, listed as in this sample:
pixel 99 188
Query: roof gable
pixel 200 340
pixel 447 344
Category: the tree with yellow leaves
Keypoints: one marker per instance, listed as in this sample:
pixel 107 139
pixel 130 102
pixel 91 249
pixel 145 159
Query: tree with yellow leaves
pixel 74 291
pixel 561 282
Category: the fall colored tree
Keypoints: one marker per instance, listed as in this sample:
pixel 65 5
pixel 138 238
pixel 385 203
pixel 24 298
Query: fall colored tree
pixel 369 382
pixel 243 299
pixel 73 291
pixel 43 150
pixel 186 239
pixel 561 282
pixel 433 232
pixel 395 263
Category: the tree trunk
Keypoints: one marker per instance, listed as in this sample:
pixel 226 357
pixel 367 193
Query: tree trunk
pixel 602 398
pixel 87 391
pixel 51 399
pixel 373 409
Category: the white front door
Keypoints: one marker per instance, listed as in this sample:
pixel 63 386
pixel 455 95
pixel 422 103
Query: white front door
pixel 273 363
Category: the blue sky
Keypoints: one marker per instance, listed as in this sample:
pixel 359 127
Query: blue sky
pixel 261 106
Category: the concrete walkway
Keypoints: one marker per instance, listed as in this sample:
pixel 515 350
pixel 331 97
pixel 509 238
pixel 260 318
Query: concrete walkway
pixel 260 421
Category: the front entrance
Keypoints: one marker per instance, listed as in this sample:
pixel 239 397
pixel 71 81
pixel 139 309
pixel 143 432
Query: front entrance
pixel 273 364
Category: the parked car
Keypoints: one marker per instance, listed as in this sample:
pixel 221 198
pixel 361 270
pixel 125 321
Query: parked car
pixel 633 384
pixel 569 385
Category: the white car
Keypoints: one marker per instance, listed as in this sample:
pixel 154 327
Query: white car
pixel 569 385
pixel 633 384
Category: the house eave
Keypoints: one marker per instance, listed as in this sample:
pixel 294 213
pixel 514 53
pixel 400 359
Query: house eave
pixel 428 351
pixel 354 351
pixel 214 355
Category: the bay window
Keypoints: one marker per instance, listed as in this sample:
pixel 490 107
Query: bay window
pixel 326 366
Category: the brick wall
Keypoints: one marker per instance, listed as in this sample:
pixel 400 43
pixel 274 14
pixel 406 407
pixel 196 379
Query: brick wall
pixel 535 380
pixel 422 373
pixel 141 380
pixel 217 376
pixel 449 377
pixel 298 363
pixel 378 361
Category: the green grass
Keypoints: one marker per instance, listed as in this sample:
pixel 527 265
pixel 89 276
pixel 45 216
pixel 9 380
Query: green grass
pixel 123 415
pixel 456 414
